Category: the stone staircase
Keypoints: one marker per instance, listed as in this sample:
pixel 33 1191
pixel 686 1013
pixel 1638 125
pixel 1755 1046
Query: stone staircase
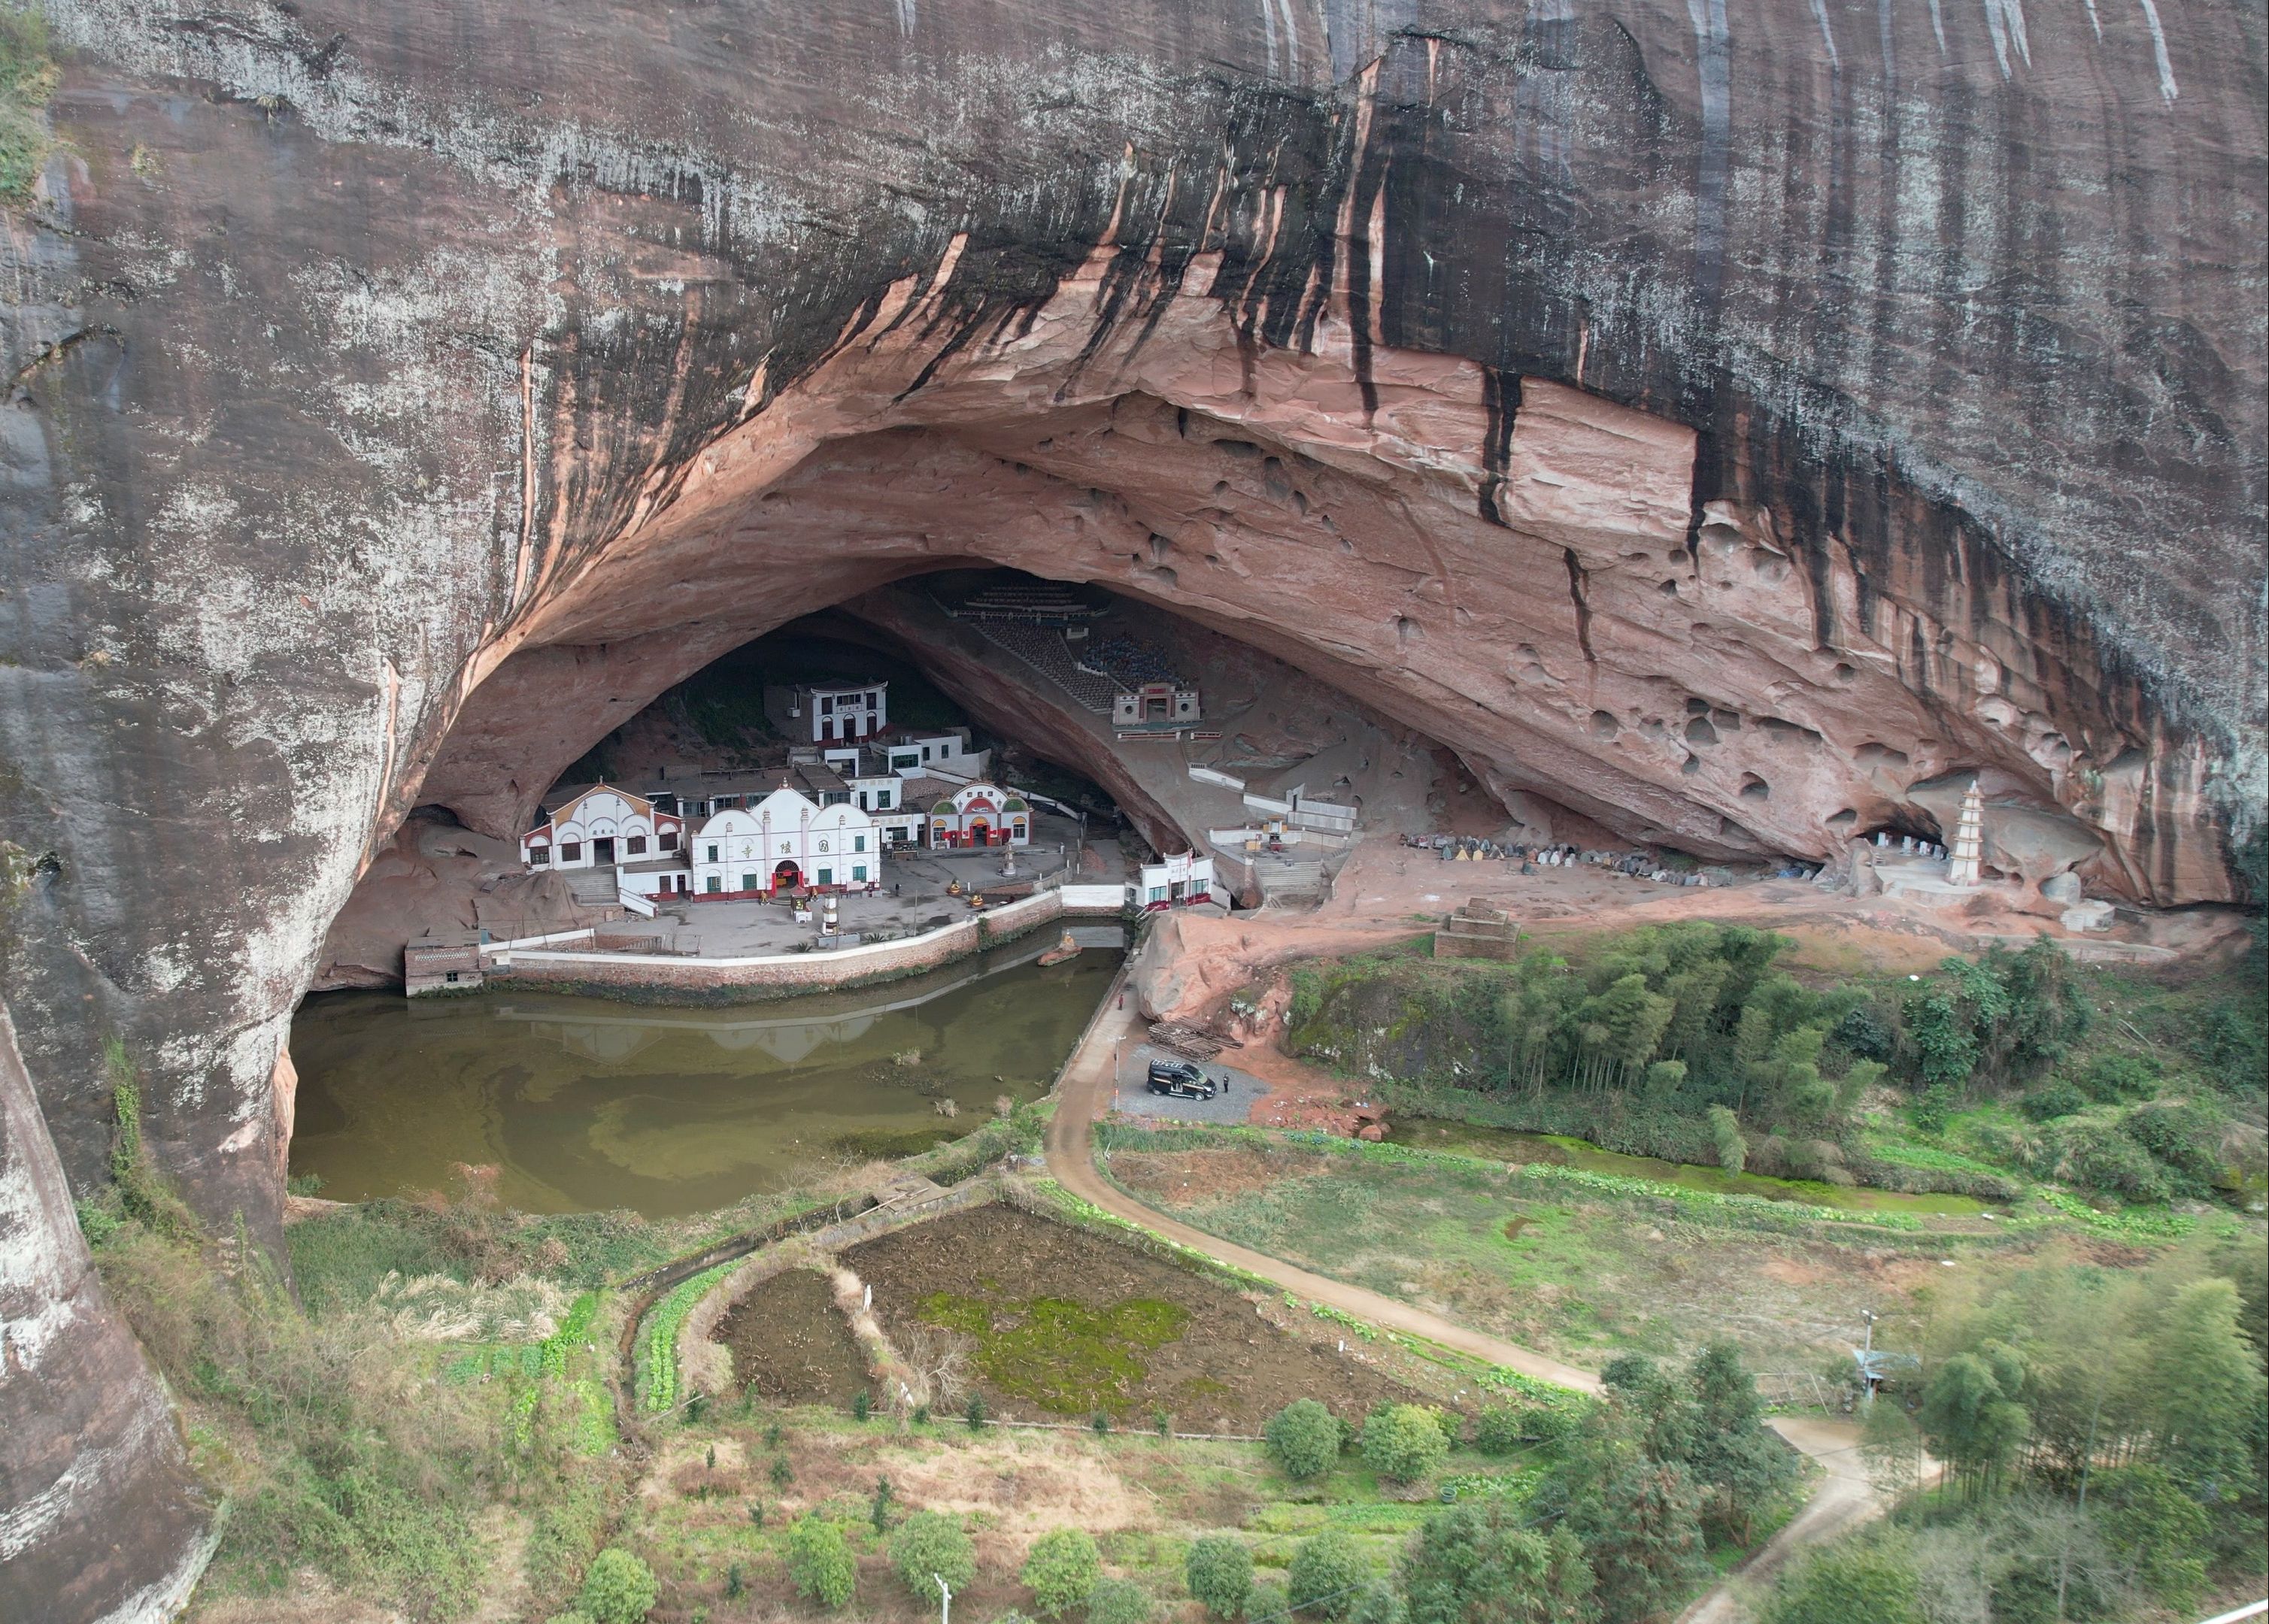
pixel 1478 930
pixel 593 888
pixel 1291 882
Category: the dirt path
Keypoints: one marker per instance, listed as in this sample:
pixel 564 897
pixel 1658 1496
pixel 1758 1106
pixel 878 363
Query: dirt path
pixel 1844 1495
pixel 1086 1093
pixel 1843 1498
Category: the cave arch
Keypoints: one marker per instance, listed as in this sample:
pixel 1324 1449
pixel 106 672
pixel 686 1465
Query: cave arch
pixel 1480 564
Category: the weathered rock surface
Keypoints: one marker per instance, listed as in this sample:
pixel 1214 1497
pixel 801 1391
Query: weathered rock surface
pixel 1712 424
pixel 435 876
pixel 100 1516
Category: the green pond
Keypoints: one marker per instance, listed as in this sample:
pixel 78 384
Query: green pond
pixel 586 1104
pixel 1508 1145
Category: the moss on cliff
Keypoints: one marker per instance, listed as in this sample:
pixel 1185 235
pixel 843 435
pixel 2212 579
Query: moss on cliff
pixel 27 79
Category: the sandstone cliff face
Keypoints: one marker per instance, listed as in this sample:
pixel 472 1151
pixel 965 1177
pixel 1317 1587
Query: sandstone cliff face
pixel 98 1515
pixel 1717 422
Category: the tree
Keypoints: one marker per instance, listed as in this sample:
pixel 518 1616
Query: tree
pixel 1664 1419
pixel 1219 1571
pixel 1062 1566
pixel 1972 1419
pixel 1118 1601
pixel 2205 1391
pixel 1641 1532
pixel 617 1589
pixel 930 1545
pixel 1734 1458
pixel 1945 1051
pixel 1401 1442
pixel 1326 1573
pixel 1726 1133
pixel 1303 1439
pixel 1473 1564
pixel 1869 1578
pixel 2157 1531
pixel 819 1562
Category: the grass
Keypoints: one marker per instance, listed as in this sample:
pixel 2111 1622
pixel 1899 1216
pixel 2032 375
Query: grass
pixel 1801 1194
pixel 1556 1264
pixel 1067 1358
pixel 339 1258
pixel 339 1441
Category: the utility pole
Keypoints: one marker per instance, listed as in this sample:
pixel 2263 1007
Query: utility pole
pixel 944 1600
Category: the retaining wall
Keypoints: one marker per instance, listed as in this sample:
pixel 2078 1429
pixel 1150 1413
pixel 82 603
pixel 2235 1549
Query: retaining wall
pixel 801 971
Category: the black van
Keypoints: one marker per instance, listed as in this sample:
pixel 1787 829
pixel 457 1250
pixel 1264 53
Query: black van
pixel 1182 1080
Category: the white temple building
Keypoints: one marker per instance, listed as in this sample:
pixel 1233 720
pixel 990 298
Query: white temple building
pixel 599 827
pixel 784 842
pixel 815 714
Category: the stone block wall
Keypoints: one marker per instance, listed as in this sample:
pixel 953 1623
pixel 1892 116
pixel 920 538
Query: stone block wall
pixel 791 971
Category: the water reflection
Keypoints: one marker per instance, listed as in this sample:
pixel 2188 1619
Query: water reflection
pixel 584 1103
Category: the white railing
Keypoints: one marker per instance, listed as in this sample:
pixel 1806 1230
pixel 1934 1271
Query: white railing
pixel 1047 903
pixel 640 905
pixel 576 934
pixel 2251 1610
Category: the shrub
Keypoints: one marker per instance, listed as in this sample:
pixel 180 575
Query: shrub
pixel 2156 1529
pixel 1725 1139
pixel 2053 1099
pixel 1266 1604
pixel 2097 1156
pixel 1118 1601
pixel 930 1545
pixel 2185 1137
pixel 1219 1571
pixel 1303 1439
pixel 1402 1442
pixel 619 1590
pixel 819 1562
pixel 1865 1578
pixel 1062 1567
pixel 1380 1603
pixel 1328 1572
pixel 565 1533
pixel 1864 1034
pixel 2110 1077
pixel 1503 1428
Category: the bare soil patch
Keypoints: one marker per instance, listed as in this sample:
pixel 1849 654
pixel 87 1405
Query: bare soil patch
pixel 1068 1324
pixel 1201 1175
pixel 787 1339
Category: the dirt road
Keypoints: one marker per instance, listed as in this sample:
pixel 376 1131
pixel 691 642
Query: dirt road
pixel 1843 1497
pixel 1086 1095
